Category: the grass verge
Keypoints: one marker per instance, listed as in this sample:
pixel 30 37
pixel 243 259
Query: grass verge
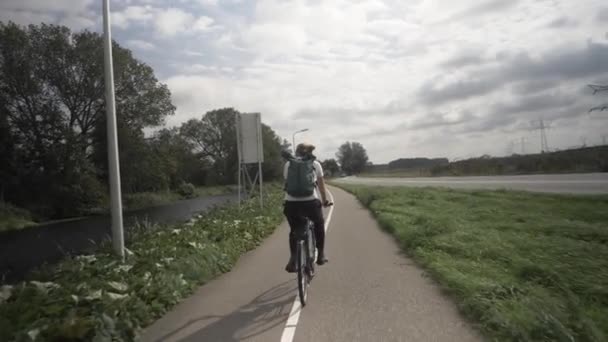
pixel 150 199
pixel 97 298
pixel 397 174
pixel 523 266
pixel 215 190
pixel 12 218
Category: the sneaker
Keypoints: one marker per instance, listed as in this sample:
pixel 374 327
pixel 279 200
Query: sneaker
pixel 291 265
pixel 321 259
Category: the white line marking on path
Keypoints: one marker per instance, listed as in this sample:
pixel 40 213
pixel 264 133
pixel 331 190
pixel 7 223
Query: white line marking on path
pixel 292 322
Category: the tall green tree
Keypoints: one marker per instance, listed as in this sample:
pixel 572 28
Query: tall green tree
pixel 52 96
pixel 352 157
pixel 273 162
pixel 213 138
pixel 286 146
pixel 331 167
pixel 177 159
pixel 8 170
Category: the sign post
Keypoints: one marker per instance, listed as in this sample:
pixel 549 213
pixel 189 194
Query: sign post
pixel 250 152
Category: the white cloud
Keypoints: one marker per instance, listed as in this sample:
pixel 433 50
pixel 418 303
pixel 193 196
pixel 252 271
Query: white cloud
pixel 132 14
pixel 77 23
pixel 64 6
pixel 25 18
pixel 354 71
pixel 75 15
pixel 207 2
pixel 271 39
pixel 193 53
pixel 166 21
pixel 403 77
pixel 203 24
pixel 202 69
pixel 140 44
pixel 172 21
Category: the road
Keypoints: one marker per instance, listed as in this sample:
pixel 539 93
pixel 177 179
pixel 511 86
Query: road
pixel 369 291
pixel 23 250
pixel 584 183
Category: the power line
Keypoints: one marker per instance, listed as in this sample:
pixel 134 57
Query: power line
pixel 541 125
pixel 596 89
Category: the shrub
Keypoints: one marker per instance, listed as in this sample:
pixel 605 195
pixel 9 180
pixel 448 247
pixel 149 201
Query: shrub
pixel 186 190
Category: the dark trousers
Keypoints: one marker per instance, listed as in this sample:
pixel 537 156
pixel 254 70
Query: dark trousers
pixel 296 212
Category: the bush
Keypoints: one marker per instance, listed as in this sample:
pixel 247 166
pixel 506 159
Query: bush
pixel 13 218
pixel 70 199
pixel 148 199
pixel 186 190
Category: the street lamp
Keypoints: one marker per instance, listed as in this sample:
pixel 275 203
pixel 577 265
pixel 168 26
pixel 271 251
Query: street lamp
pixel 113 161
pixel 293 138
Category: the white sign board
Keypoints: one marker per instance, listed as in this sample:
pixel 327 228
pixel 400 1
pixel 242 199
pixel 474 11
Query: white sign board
pixel 249 131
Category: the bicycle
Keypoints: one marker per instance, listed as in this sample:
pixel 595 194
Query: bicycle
pixel 306 253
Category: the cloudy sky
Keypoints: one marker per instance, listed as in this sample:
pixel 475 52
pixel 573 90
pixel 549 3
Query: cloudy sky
pixel 405 78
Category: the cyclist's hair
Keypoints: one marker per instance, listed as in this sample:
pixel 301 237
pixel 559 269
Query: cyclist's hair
pixel 304 150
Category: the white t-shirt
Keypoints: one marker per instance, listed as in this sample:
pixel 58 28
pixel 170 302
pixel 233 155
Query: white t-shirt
pixel 318 174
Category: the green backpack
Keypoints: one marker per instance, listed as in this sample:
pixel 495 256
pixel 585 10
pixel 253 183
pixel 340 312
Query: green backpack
pixel 300 177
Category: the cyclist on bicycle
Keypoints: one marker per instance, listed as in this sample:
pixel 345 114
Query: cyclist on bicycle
pixel 305 196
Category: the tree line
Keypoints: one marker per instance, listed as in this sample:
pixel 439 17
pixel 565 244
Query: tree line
pixel 53 128
pixel 586 159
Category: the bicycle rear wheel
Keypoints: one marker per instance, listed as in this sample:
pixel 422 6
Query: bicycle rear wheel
pixel 301 258
pixel 312 253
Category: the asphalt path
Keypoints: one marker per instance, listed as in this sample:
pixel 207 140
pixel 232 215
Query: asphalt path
pixel 369 291
pixel 583 183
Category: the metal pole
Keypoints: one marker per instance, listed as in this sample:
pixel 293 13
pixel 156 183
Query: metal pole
pixel 261 183
pixel 260 158
pixel 237 123
pixel 113 165
pixel 293 138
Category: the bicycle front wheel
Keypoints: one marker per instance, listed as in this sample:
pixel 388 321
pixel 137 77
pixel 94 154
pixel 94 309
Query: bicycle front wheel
pixel 301 270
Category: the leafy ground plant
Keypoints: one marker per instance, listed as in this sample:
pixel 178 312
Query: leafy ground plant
pixel 14 218
pixel 98 298
pixel 522 266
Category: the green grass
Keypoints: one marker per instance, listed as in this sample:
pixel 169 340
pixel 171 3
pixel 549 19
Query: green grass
pixel 141 200
pixel 12 218
pixel 397 174
pixel 150 199
pixel 522 266
pixel 96 298
pixel 215 190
